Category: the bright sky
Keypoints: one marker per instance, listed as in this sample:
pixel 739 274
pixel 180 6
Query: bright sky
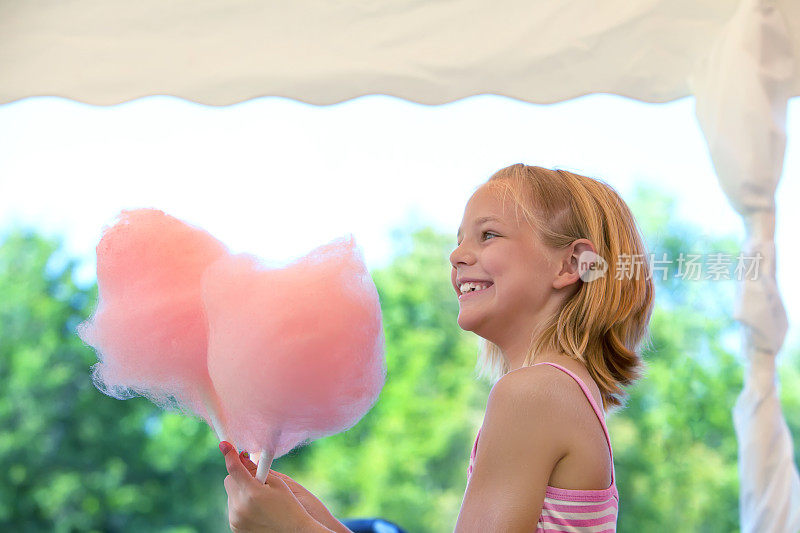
pixel 276 177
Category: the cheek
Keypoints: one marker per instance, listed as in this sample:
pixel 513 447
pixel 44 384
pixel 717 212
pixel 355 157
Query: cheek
pixel 495 264
pixel 521 285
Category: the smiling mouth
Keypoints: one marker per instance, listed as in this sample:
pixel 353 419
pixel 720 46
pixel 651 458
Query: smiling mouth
pixel 474 291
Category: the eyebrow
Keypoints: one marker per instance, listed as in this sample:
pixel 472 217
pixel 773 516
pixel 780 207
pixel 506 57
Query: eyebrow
pixel 480 220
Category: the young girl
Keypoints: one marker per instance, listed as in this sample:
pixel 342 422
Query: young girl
pixel 550 270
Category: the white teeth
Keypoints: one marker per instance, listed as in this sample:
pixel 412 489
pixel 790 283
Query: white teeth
pixel 473 286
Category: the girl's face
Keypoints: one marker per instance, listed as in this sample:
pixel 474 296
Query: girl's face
pixel 504 255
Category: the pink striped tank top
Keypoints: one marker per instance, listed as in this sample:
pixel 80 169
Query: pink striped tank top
pixel 576 510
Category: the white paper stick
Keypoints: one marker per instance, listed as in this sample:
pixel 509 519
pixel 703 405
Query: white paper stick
pixel 264 463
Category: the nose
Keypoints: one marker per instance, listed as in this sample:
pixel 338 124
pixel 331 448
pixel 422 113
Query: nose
pixel 462 255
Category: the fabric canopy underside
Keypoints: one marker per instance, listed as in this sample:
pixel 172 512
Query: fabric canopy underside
pixel 109 51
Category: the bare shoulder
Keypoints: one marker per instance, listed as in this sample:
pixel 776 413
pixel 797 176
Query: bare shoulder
pixel 531 400
pixel 541 415
pixel 543 384
pixel 543 392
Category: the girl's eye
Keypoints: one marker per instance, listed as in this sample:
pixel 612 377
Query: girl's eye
pixel 484 234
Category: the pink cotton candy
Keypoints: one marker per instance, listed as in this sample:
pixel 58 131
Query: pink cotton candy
pixel 294 353
pixel 270 357
pixel 149 328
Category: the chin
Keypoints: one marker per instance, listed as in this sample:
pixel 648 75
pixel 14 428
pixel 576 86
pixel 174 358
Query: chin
pixel 469 323
pixel 464 323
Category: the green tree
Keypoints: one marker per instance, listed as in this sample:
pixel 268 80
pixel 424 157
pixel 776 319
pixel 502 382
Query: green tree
pixel 72 459
pixel 675 445
pixel 674 442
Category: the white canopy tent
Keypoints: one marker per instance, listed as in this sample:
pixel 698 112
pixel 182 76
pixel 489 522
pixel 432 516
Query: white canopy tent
pixel 741 62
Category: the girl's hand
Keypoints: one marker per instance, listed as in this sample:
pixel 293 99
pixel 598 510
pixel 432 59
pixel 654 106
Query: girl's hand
pixel 310 503
pixel 255 507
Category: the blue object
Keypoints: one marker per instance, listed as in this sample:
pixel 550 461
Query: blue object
pixel 372 525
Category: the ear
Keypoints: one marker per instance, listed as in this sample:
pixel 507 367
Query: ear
pixel 570 263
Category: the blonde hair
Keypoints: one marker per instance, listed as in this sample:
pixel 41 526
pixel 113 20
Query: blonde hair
pixel 605 323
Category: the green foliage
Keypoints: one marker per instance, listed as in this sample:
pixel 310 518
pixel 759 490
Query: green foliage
pixel 674 443
pixel 72 459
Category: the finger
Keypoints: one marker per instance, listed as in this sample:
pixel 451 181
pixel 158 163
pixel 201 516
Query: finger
pixel 278 483
pixel 272 479
pixel 283 477
pixel 230 485
pixel 275 479
pixel 234 465
pixel 295 487
pixel 248 464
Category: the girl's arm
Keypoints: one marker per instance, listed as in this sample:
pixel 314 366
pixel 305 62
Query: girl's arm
pixel 520 444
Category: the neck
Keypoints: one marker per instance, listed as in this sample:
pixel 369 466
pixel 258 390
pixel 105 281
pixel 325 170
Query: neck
pixel 515 348
pixel 515 352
